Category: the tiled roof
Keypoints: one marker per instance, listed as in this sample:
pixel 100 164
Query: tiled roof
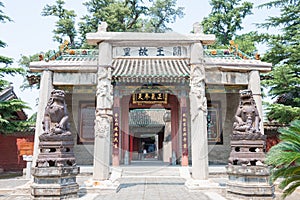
pixel 8 94
pixel 150 68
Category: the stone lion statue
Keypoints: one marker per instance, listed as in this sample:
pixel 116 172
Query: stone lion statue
pixel 56 116
pixel 247 116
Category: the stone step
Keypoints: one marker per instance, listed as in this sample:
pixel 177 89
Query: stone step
pixel 150 171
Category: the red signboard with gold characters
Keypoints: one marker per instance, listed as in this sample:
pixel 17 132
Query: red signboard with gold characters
pixel 184 132
pixel 150 98
pixel 116 130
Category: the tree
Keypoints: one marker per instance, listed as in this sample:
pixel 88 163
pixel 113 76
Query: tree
pixel 161 13
pixel 246 42
pixel 284 53
pixel 129 15
pixel 8 109
pixel 285 158
pixel 65 26
pixel 225 19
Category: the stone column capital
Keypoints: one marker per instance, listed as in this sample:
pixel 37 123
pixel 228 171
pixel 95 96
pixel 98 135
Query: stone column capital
pixel 196 54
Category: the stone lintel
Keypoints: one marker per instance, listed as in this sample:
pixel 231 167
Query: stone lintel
pixel 238 67
pixel 156 39
pixel 63 67
pixel 74 78
pixel 226 78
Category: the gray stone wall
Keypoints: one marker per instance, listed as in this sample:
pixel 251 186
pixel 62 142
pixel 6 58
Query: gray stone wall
pixel 219 153
pixel 84 153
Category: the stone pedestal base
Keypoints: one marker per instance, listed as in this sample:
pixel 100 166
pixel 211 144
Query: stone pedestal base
pixel 54 182
pixel 54 191
pixel 249 182
pixel 55 171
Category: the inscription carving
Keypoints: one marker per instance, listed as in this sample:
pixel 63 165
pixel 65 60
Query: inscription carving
pixel 87 122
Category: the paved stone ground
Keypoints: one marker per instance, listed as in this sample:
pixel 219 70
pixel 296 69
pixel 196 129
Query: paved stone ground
pixel 153 189
pixel 150 188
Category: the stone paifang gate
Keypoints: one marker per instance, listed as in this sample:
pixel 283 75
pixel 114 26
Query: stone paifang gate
pixel 133 72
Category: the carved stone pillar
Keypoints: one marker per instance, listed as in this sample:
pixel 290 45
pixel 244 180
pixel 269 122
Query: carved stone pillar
pixel 254 86
pixel 103 114
pixel 198 110
pixel 45 90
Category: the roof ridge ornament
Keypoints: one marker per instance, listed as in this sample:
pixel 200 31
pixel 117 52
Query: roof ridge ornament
pixel 102 27
pixel 197 28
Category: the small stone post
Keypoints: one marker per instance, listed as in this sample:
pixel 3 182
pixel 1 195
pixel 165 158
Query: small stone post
pixel 28 160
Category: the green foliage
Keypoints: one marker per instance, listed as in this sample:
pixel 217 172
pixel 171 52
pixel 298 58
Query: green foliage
pixel 65 26
pixel 246 43
pixel 285 158
pixel 161 13
pixel 8 118
pixel 24 62
pixel 282 113
pixel 284 54
pixel 8 109
pixel 226 18
pixel 3 18
pixel 129 15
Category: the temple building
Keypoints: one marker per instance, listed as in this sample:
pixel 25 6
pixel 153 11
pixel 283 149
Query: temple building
pixel 150 96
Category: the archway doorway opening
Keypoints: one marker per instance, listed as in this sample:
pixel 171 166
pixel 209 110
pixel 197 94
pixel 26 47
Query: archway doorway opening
pixel 146 128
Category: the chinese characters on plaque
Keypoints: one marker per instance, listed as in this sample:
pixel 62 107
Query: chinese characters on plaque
pixel 184 132
pixel 174 51
pixel 116 130
pixel 150 98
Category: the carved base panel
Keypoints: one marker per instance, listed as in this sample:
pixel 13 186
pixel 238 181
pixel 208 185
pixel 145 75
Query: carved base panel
pixel 54 191
pixel 54 182
pixel 249 182
pixel 55 172
pixel 56 151
pixel 247 152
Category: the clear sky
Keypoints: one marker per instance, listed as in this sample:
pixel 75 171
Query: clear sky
pixel 31 33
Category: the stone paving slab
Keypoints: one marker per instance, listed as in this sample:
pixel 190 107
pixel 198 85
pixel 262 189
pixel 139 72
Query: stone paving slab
pixel 152 189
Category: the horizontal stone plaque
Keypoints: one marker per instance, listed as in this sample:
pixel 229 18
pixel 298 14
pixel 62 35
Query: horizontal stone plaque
pixel 170 51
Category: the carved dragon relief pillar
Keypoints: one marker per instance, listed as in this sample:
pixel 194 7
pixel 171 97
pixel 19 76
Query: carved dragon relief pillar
pixel 104 114
pixel 198 110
